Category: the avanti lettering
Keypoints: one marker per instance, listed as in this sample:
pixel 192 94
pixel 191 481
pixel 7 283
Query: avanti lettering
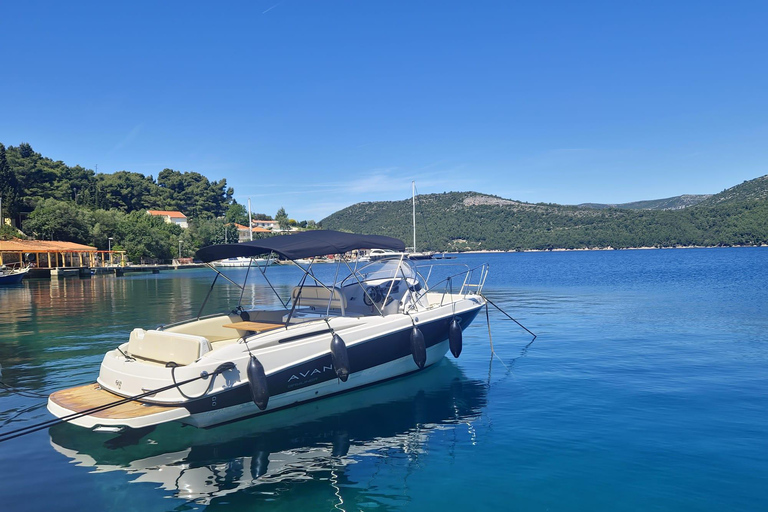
pixel 308 373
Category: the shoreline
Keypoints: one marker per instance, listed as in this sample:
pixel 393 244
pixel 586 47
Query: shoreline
pixel 499 251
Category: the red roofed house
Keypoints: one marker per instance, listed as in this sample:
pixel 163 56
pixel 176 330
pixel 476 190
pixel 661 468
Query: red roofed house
pixel 266 224
pixel 244 236
pixel 171 217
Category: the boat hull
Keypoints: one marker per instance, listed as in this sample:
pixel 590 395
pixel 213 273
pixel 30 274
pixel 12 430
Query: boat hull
pixel 203 415
pixel 12 278
pixel 297 371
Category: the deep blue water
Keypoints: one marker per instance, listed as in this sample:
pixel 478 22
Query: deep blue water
pixel 646 389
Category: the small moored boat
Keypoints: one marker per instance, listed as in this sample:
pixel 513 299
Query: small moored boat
pixel 13 274
pixel 384 254
pixel 242 262
pixel 380 321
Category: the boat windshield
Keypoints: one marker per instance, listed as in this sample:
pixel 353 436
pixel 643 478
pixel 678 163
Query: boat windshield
pixel 382 269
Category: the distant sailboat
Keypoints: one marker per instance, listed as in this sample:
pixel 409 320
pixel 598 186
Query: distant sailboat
pixel 414 254
pixel 243 261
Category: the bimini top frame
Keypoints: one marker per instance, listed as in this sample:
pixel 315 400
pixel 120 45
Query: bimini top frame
pixel 314 243
pixel 306 244
pixel 295 246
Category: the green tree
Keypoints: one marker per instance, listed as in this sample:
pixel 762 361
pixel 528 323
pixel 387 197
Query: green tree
pixel 9 232
pixel 206 231
pixel 236 214
pixel 36 175
pixel 126 191
pixel 77 184
pixel 282 219
pixel 25 150
pixel 9 188
pixel 193 194
pixel 147 237
pixel 59 220
pixel 106 225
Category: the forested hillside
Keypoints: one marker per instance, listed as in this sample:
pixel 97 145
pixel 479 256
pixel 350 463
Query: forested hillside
pixel 752 191
pixel 459 221
pixel 50 200
pixel 669 203
pixel 39 178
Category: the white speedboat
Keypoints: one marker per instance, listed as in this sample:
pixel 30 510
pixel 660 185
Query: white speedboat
pixel 242 262
pixel 384 254
pixel 381 321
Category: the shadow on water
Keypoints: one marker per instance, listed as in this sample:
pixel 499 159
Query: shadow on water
pixel 310 448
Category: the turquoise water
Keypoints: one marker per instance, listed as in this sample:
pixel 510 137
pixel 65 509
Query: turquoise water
pixel 646 389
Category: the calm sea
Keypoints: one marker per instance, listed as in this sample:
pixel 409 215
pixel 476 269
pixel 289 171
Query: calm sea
pixel 646 389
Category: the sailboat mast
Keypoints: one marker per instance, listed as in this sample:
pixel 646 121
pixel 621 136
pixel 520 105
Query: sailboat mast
pixel 250 222
pixel 413 193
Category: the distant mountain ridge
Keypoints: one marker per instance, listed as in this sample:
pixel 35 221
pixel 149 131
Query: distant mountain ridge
pixel 669 203
pixel 750 190
pixel 457 221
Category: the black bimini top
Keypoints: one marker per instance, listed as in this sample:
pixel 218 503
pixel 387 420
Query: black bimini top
pixel 301 245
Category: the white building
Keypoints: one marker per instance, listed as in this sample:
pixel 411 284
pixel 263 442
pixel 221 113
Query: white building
pixel 244 236
pixel 265 224
pixel 171 217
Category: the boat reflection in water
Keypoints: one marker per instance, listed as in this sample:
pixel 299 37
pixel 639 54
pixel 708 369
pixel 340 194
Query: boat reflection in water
pixel 315 442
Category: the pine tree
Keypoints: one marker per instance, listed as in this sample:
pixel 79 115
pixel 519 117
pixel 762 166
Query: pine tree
pixel 9 188
pixel 282 219
pixel 25 150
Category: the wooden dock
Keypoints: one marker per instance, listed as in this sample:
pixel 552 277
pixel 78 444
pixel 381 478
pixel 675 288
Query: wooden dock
pixel 85 272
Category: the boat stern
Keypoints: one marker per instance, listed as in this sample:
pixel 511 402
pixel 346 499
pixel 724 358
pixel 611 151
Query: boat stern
pixel 91 406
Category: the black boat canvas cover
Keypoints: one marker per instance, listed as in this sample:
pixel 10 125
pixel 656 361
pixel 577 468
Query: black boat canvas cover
pixel 301 245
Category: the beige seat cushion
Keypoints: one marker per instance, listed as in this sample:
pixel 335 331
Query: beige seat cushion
pixel 164 347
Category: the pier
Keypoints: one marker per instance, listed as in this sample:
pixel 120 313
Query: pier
pixel 52 259
pixel 85 272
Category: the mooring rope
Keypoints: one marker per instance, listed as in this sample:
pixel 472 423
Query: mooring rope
pixel 7 436
pixel 21 392
pixel 510 317
pixel 17 391
pixel 490 337
pixel 23 411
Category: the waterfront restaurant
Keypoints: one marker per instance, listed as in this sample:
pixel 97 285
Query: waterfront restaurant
pixel 52 254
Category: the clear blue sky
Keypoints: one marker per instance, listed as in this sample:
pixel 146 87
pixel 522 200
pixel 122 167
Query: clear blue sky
pixel 315 105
